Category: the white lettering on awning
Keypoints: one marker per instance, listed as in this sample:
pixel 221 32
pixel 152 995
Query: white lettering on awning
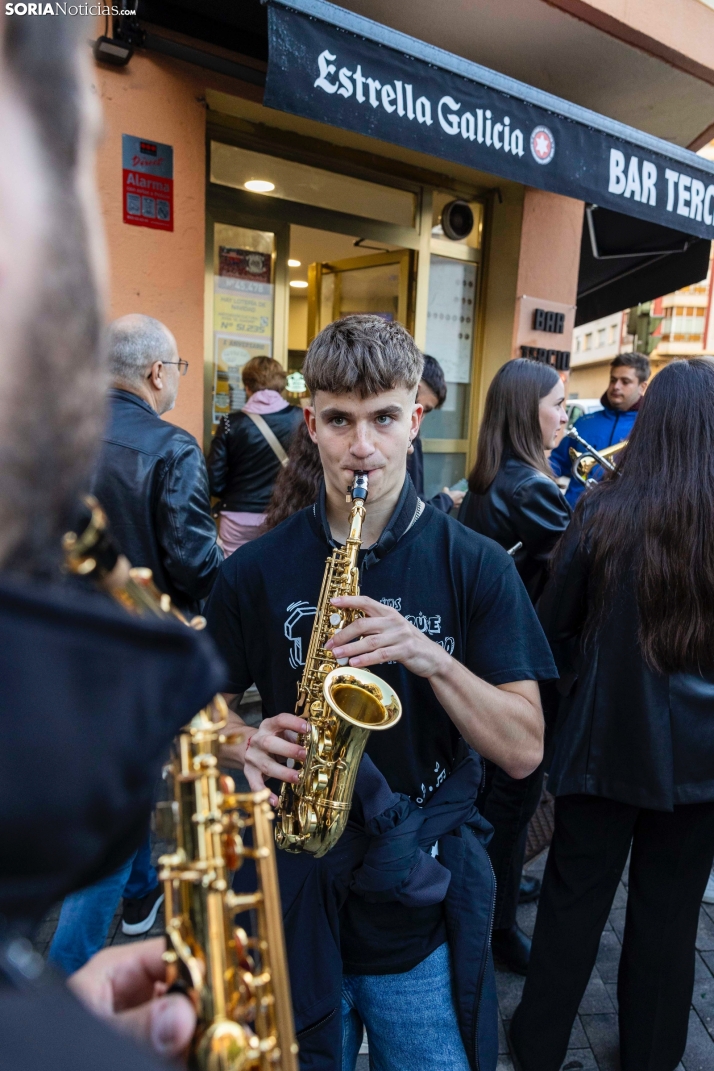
pixel 398 97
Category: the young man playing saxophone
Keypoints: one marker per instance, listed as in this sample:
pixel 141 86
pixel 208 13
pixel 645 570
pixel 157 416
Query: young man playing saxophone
pixel 449 625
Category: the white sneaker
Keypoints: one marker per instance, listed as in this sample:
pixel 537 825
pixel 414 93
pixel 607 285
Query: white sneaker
pixel 708 897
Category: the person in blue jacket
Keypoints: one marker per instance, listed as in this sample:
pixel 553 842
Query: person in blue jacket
pixel 629 373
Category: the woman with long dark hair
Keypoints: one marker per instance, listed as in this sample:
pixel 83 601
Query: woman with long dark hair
pixel 513 498
pixel 629 613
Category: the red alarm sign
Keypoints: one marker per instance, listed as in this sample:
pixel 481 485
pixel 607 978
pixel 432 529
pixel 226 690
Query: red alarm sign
pixel 148 183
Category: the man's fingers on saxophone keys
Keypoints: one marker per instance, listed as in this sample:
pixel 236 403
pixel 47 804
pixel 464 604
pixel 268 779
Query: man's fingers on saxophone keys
pixel 368 606
pixel 264 745
pixel 267 767
pixel 284 721
pixel 257 784
pixel 356 631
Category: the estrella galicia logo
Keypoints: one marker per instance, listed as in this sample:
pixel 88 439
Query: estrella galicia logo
pixel 542 145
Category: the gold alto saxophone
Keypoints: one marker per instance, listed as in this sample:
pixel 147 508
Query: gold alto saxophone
pixel 341 704
pixel 238 984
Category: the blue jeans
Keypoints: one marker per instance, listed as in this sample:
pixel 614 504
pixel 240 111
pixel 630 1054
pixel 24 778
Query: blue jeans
pixel 410 1018
pixel 86 915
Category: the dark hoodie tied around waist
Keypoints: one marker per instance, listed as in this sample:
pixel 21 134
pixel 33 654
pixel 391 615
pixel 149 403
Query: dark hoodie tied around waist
pixel 383 855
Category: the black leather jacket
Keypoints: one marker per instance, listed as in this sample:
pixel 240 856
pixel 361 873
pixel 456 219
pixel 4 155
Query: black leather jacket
pixel 524 506
pixel 151 480
pixel 242 465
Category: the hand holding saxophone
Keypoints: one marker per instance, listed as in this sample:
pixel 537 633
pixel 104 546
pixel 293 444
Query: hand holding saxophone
pixel 126 986
pixel 384 635
pixel 268 745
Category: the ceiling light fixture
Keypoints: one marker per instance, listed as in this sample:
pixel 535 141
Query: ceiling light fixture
pixel 294 263
pixel 259 185
pixel 299 284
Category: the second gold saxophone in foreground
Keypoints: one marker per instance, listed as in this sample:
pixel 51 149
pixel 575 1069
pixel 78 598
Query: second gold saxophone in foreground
pixel 341 705
pixel 237 983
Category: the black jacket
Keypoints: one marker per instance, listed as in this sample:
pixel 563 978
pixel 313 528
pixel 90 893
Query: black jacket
pixel 521 506
pixel 90 699
pixel 242 466
pixel 624 732
pixel 151 480
pixel 415 467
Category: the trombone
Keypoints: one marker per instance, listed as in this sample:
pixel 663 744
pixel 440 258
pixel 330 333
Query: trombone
pixel 586 460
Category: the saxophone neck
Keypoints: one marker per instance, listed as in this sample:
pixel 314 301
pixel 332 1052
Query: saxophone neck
pixel 357 515
pixel 358 495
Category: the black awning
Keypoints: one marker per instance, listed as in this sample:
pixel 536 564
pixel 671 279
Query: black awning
pixel 328 64
pixel 625 260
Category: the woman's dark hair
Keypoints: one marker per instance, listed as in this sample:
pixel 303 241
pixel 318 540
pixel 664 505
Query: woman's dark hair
pixel 511 420
pixel 298 482
pixel 656 515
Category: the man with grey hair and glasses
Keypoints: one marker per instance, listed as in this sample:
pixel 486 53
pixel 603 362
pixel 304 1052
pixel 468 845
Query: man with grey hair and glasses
pixel 152 482
pixel 151 477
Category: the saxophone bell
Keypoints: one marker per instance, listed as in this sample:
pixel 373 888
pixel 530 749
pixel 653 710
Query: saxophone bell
pixel 361 698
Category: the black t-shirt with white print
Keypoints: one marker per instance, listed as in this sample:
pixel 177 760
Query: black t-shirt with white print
pixel 459 588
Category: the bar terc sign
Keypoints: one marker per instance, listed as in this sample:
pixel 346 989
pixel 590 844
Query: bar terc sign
pixel 338 68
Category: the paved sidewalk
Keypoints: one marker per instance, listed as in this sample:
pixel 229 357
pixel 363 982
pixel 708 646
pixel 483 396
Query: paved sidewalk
pixel 594 1042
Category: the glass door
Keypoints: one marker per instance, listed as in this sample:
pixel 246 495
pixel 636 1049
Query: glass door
pixel 378 283
pixel 450 325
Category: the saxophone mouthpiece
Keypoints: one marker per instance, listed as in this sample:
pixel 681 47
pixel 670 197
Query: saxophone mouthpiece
pixel 360 487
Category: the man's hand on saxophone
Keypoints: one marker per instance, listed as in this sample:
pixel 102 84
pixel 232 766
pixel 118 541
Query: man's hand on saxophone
pixel 258 752
pixel 502 722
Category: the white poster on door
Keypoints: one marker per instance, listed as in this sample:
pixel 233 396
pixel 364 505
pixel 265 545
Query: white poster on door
pixel 451 316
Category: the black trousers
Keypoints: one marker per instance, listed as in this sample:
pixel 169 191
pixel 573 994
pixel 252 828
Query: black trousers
pixel 509 806
pixel 671 859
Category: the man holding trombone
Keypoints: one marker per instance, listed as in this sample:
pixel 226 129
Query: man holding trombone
pixel 629 375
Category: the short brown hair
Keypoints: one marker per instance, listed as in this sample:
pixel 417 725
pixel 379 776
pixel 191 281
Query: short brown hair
pixel 263 373
pixel 365 354
pixel 637 361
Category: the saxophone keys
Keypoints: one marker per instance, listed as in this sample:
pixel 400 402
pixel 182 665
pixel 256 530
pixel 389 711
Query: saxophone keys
pixel 320 781
pixel 307 818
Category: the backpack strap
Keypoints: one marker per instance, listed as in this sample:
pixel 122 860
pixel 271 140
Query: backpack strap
pixel 269 436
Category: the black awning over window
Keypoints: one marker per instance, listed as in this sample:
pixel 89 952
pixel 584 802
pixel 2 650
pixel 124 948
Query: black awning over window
pixel 625 260
pixel 330 65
